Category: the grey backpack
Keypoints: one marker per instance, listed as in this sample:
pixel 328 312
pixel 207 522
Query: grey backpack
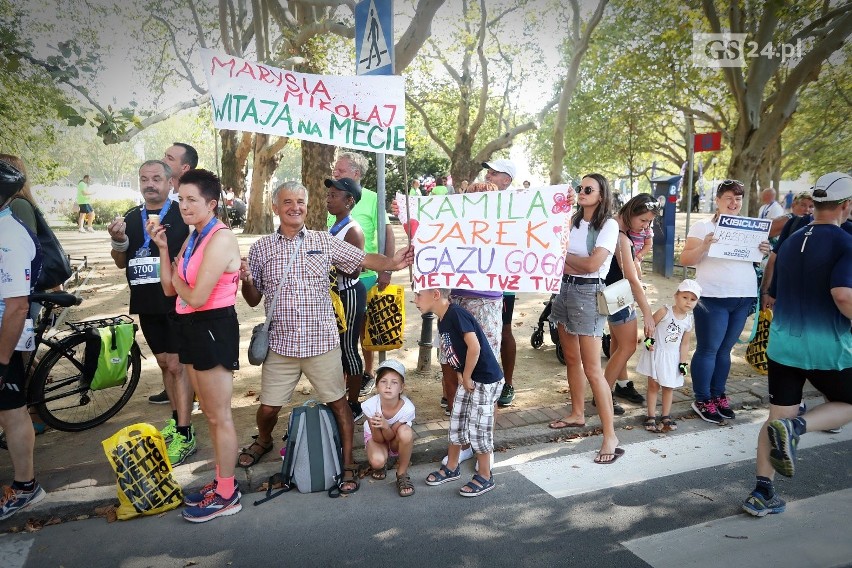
pixel 313 458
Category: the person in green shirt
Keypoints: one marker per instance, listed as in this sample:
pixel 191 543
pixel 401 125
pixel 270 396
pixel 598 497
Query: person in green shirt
pixel 441 186
pixel 87 213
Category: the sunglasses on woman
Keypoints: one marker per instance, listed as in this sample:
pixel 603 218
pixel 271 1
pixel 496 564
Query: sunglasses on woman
pixel 588 190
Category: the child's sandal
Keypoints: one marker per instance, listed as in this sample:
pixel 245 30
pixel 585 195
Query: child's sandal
pixel 404 486
pixel 668 424
pixel 650 424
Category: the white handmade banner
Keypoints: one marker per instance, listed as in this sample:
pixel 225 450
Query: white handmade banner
pixel 513 241
pixel 738 238
pixel 365 112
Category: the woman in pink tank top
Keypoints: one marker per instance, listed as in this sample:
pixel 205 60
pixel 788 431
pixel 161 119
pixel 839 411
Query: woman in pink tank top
pixel 204 277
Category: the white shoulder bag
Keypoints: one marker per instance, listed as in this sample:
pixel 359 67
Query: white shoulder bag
pixel 617 295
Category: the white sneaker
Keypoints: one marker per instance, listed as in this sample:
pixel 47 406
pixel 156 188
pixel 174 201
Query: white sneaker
pixel 490 465
pixel 81 230
pixel 463 456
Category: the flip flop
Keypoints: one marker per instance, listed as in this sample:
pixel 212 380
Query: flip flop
pixel 617 454
pixel 559 424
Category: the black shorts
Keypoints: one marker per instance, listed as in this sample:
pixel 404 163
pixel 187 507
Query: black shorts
pixel 508 309
pixel 161 332
pixel 87 208
pixel 14 392
pixel 786 384
pixel 210 338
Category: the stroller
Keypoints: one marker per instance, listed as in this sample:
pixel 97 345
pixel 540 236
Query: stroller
pixel 537 338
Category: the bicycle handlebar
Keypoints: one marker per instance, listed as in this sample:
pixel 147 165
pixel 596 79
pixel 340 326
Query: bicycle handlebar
pixel 61 299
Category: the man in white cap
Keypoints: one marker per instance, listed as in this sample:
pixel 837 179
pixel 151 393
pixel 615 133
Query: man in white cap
pixel 501 173
pixel 809 338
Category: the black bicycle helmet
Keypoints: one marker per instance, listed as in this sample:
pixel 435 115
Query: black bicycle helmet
pixel 11 181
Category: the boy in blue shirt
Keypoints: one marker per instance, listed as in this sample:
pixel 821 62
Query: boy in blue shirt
pixel 480 384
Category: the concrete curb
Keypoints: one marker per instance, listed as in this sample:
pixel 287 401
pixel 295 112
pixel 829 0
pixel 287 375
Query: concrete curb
pixel 78 499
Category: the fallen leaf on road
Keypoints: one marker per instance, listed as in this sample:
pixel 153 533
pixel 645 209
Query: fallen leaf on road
pixel 53 521
pixel 108 512
pixel 628 428
pixel 191 563
pixel 33 525
pixel 736 537
pixel 250 393
pixel 655 450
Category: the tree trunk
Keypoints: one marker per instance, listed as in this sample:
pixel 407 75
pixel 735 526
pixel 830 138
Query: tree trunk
pixel 232 176
pixel 316 163
pixel 259 220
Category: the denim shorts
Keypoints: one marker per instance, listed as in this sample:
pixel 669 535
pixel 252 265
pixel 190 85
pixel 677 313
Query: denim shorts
pixel 575 308
pixel 622 316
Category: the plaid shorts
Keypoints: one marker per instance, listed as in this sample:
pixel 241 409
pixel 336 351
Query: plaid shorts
pixel 488 313
pixel 472 420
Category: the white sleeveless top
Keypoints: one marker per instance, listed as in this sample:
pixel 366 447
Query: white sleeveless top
pixel 344 282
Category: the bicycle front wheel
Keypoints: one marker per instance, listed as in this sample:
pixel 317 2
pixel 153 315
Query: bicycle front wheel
pixel 63 399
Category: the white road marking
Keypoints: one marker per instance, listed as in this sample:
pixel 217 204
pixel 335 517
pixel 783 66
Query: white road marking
pixel 811 532
pixel 15 550
pixel 661 456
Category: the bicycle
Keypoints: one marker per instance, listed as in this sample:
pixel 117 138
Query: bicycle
pixel 56 386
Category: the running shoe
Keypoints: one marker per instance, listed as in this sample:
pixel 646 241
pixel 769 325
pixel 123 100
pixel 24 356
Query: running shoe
pixel 180 448
pixel 759 506
pixel 723 407
pixel 214 505
pixel 506 396
pixel 783 439
pixel 708 412
pixel 368 383
pixel 159 398
pixel 195 498
pixel 628 393
pixel 14 500
pixel 169 430
pixel 357 412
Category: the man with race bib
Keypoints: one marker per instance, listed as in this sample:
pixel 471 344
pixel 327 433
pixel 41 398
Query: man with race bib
pixel 133 250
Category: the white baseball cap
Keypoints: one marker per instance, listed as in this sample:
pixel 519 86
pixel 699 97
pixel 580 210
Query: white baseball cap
pixel 835 186
pixel 393 365
pixel 501 165
pixel 690 285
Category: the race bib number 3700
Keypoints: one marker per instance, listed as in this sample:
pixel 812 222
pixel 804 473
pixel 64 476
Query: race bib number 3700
pixel 144 270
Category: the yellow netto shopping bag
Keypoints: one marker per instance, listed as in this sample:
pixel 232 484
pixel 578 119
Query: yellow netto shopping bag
pixel 756 350
pixel 336 302
pixel 145 483
pixel 385 319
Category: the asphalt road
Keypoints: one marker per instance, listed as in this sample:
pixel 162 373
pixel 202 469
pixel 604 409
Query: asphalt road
pixel 669 501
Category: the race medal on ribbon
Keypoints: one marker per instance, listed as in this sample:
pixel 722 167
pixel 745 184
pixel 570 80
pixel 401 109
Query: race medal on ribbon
pixel 143 252
pixel 144 270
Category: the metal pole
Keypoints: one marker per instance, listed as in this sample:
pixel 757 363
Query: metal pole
pixel 381 213
pixel 690 156
pixel 424 356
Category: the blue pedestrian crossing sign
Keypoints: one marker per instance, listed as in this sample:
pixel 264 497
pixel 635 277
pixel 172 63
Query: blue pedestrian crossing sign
pixel 374 37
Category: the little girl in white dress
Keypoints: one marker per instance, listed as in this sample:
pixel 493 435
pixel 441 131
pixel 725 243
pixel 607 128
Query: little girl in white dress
pixel 665 359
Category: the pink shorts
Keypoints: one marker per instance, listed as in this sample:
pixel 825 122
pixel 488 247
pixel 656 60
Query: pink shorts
pixel 368 437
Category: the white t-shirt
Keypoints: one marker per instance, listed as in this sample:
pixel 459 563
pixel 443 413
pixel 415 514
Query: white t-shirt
pixel 372 405
pixel 722 277
pixel 16 255
pixel 607 238
pixel 771 211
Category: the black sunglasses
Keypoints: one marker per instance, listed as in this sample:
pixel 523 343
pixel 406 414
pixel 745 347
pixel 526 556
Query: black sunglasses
pixel 588 190
pixel 732 182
